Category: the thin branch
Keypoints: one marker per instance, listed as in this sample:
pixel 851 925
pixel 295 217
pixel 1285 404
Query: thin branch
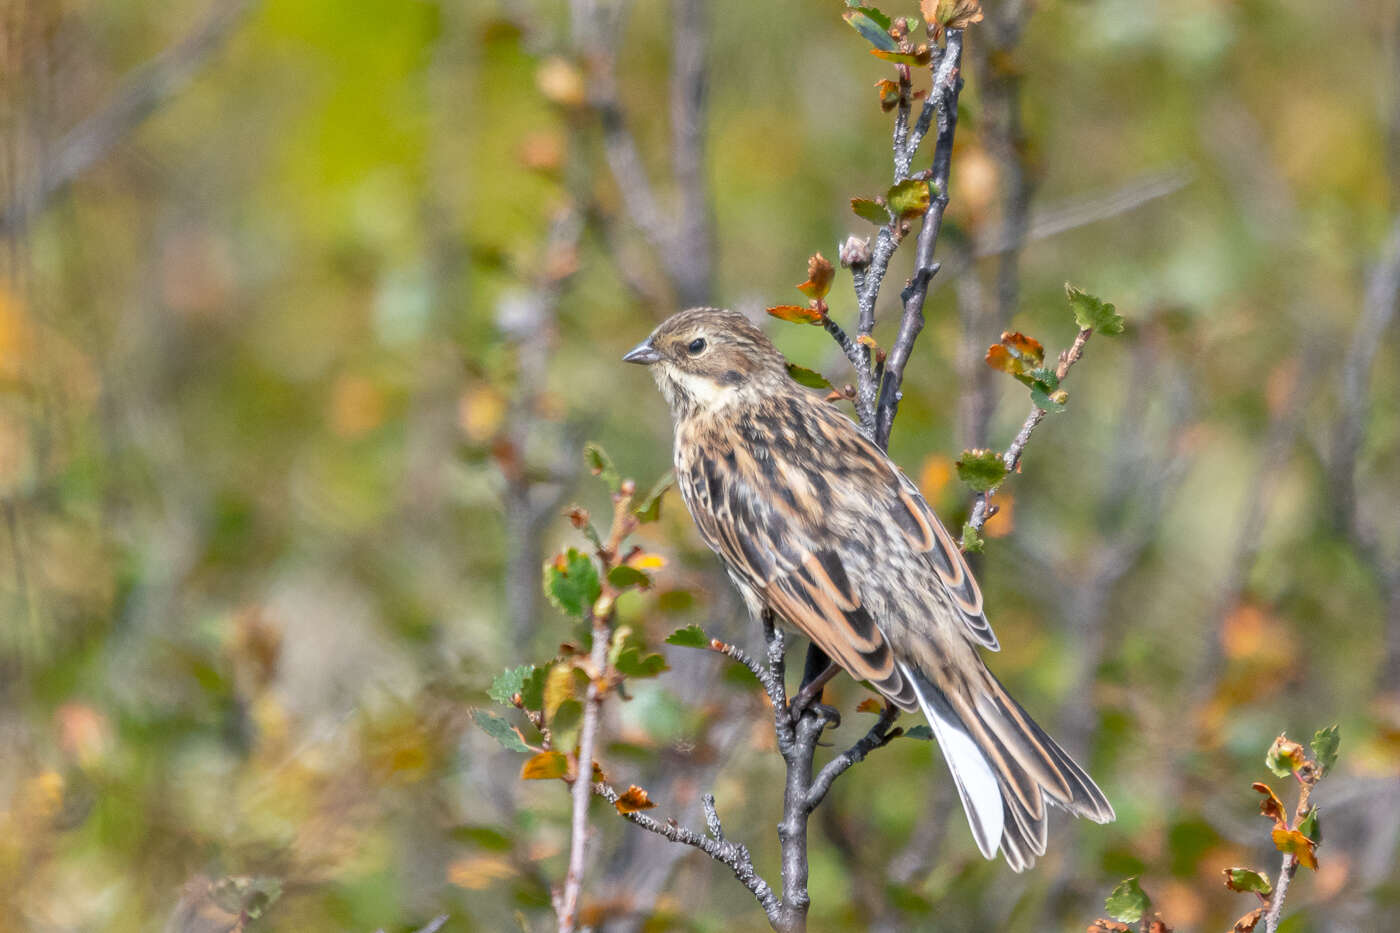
pixel 588 734
pixel 879 735
pixel 947 82
pixel 1012 455
pixel 1081 212
pixel 139 97
pixel 1289 868
pixel 734 855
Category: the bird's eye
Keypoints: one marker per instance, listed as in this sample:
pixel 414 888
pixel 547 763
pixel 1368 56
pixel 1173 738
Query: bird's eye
pixel 697 346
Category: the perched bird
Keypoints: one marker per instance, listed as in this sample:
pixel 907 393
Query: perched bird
pixel 816 523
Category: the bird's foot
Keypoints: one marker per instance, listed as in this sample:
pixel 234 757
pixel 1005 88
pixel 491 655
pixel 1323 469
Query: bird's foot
pixel 800 706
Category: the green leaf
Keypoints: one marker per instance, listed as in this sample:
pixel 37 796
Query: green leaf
pixel 692 636
pixel 1310 827
pixel 1247 881
pixel 981 469
pixel 1092 311
pixel 632 662
pixel 510 682
pixel 1050 402
pixel 564 725
pixel 873 211
pixel 650 509
pixel 601 465
pixel 881 18
pixel 870 29
pixel 920 731
pixel 482 837
pixel 1128 902
pixel 971 539
pixel 807 377
pixel 1285 756
pixel 909 198
pixel 623 576
pixel 500 730
pixel 571 582
pixel 532 690
pixel 1325 743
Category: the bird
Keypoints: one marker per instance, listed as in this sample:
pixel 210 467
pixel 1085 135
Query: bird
pixel 815 523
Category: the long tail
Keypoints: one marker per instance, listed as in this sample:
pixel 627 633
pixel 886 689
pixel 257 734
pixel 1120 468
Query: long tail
pixel 1005 767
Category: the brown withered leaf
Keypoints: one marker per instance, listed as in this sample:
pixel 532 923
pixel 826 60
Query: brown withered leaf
pixel 545 766
pixel 633 800
pixel 1292 842
pixel 1248 922
pixel 1108 926
pixel 869 705
pixel 1158 926
pixel 820 273
pixel 951 14
pixel 1270 806
pixel 796 314
pixel 889 94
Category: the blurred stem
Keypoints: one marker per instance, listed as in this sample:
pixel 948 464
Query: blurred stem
pixel 582 787
pixel 140 96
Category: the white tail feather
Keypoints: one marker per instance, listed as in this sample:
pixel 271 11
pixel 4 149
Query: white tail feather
pixel 976 782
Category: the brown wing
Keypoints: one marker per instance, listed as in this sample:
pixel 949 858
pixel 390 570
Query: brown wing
pixel 764 544
pixel 927 536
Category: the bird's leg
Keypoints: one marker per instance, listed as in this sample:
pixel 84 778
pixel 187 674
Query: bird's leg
pixel 816 674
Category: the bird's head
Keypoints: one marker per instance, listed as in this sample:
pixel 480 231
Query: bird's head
pixel 707 358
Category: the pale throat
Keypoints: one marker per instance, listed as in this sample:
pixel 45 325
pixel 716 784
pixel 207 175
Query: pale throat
pixel 690 390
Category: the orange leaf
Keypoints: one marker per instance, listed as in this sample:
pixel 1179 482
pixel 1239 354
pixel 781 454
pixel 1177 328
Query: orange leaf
pixel 1025 348
pixel 1270 806
pixel 633 800
pixel 869 705
pixel 796 314
pixel 545 766
pixel 1294 843
pixel 820 272
pixel 889 94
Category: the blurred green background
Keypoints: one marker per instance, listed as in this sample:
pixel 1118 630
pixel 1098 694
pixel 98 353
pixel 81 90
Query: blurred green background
pixel 297 357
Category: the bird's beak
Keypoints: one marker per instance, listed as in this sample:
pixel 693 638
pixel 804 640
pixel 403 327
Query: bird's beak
pixel 643 353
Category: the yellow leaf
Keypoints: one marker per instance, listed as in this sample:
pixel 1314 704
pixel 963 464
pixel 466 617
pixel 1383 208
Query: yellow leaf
pixel 1294 843
pixel 480 413
pixel 357 406
pixel 545 766
pixel 476 872
pixel 561 82
pixel 869 705
pixel 645 561
pixel 558 687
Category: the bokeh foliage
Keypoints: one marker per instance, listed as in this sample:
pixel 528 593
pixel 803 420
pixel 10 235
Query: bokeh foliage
pixel 262 365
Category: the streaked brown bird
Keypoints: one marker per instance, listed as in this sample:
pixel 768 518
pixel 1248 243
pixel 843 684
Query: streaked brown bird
pixel 816 523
